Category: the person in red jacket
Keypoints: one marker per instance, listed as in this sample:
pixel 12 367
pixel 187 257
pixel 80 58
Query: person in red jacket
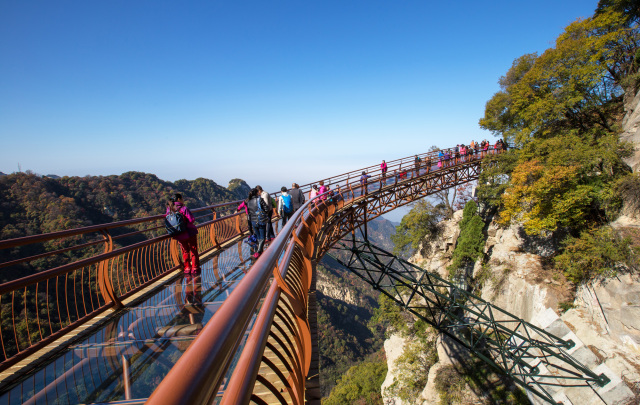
pixel 188 239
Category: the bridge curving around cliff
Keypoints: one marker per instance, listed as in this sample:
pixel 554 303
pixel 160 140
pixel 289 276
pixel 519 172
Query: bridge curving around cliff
pixel 254 321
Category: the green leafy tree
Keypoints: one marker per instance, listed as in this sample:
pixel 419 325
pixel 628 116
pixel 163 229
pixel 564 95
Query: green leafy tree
pixel 629 8
pixel 494 178
pixel 570 86
pixel 359 385
pixel 596 252
pixel 422 221
pixel 561 109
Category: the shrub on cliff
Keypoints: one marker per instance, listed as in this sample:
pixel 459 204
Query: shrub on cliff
pixel 389 317
pixel 470 243
pixel 596 252
pixel 412 366
pixel 629 189
pixel 360 385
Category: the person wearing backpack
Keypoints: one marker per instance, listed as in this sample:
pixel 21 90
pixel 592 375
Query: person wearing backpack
pixel 258 215
pixel 188 239
pixel 285 205
pixel 243 206
pixel 271 204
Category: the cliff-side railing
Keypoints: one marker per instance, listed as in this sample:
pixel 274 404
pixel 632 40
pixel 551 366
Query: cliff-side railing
pixel 119 259
pixel 273 364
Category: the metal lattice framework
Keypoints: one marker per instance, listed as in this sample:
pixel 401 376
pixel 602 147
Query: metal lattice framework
pixel 273 306
pixel 534 358
pixel 389 197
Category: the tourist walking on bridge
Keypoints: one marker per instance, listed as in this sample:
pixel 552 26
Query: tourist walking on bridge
pixel 383 169
pixel 188 240
pixel 313 192
pixel 285 206
pixel 322 189
pixel 269 201
pixel 297 196
pixel 243 206
pixel 258 215
pixel 363 180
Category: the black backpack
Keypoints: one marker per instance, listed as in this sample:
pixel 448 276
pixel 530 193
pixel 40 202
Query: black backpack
pixel 175 223
pixel 263 216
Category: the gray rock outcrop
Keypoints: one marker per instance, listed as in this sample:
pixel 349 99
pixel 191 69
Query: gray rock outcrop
pixel 631 130
pixel 604 321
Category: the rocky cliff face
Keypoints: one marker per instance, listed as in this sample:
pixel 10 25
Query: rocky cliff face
pixel 345 306
pixel 330 287
pixel 631 129
pixel 239 188
pixel 604 321
pixel 603 318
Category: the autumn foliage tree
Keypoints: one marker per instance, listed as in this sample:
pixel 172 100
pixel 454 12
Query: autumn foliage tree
pixel 561 109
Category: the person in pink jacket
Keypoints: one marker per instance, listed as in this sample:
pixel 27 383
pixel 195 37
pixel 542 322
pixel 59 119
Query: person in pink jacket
pixel 313 192
pixel 322 189
pixel 243 206
pixel 188 239
pixel 383 169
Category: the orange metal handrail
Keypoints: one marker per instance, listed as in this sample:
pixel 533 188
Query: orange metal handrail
pixel 198 374
pixel 76 292
pixel 38 308
pixel 214 348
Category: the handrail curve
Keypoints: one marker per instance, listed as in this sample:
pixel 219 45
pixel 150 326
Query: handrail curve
pixel 38 308
pixel 280 330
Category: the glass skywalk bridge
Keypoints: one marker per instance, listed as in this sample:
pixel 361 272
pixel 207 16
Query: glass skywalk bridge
pixel 125 326
pixel 127 356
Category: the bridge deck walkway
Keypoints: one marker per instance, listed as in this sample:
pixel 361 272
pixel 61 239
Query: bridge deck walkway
pixel 129 352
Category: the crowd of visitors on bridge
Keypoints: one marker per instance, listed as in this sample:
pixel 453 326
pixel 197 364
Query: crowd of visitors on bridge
pixel 260 207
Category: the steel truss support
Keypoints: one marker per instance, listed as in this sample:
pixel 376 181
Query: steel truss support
pixel 385 197
pixel 532 357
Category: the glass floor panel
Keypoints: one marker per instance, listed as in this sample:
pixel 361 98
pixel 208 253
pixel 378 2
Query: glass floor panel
pixel 143 341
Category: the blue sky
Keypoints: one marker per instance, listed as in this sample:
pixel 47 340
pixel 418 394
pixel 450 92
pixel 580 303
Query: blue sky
pixel 267 91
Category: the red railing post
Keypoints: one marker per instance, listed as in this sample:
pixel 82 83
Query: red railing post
pixel 104 280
